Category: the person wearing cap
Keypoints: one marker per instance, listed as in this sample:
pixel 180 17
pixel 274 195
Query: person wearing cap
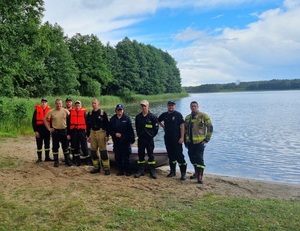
pixel 77 132
pixel 42 135
pixel 146 125
pixel 58 117
pixel 122 133
pixel 173 124
pixel 198 132
pixel 97 123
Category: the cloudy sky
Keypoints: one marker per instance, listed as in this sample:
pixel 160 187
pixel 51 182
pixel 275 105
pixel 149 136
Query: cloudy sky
pixel 213 41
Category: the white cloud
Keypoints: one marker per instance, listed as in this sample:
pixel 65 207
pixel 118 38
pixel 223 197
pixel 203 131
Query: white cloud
pixel 266 49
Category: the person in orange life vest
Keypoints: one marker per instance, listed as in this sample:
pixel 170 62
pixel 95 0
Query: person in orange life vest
pixel 58 129
pixel 77 132
pixel 42 135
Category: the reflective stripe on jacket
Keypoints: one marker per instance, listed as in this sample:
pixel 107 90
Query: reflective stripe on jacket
pixel 199 126
pixel 77 119
pixel 40 114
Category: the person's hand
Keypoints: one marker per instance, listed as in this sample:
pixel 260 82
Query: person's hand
pixel 37 134
pixel 106 139
pixel 68 137
pixel 180 140
pixel 51 130
pixel 118 135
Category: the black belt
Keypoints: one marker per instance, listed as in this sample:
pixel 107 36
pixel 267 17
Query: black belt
pixel 96 129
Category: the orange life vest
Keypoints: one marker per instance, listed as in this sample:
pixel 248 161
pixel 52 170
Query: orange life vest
pixel 77 119
pixel 40 114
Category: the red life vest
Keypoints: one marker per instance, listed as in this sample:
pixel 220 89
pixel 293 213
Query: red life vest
pixel 77 119
pixel 40 114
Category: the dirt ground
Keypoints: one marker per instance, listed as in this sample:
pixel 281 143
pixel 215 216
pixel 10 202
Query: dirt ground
pixel 27 172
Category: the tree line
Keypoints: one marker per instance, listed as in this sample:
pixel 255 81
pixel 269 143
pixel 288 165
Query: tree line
pixel 37 59
pixel 275 84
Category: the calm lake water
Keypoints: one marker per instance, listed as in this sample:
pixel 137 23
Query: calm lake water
pixel 256 134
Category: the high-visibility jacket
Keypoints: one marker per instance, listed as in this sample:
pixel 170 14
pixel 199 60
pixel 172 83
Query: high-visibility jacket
pixel 198 126
pixel 40 114
pixel 78 119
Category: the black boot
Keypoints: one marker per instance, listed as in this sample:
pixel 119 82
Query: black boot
pixel 140 171
pixel 200 175
pixel 56 162
pixel 47 156
pixel 97 167
pixel 194 176
pixel 76 160
pixel 172 169
pixel 183 171
pixel 152 171
pixel 39 154
pixel 67 160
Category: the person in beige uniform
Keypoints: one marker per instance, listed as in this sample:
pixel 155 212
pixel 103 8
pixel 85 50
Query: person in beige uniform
pixel 58 117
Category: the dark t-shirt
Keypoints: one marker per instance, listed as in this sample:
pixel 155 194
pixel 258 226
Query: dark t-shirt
pixel 172 122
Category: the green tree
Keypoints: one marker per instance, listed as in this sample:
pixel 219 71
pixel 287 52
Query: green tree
pixel 19 29
pixel 89 56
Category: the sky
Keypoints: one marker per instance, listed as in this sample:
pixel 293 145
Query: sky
pixel 215 41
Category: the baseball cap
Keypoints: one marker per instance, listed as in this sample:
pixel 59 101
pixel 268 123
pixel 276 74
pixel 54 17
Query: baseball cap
pixel 44 99
pixel 119 107
pixel 77 102
pixel 144 102
pixel 171 102
pixel 68 99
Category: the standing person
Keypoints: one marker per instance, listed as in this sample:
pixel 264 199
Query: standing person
pixel 97 123
pixel 58 129
pixel 146 125
pixel 69 107
pixel 42 135
pixel 198 131
pixel 77 132
pixel 173 125
pixel 121 131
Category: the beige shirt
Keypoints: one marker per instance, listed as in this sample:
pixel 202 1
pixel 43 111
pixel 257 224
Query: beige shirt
pixel 58 118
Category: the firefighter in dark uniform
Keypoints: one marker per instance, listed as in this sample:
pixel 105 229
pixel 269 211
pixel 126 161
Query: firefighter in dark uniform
pixel 77 132
pixel 198 132
pixel 122 133
pixel 146 125
pixel 97 123
pixel 42 135
pixel 58 117
pixel 173 125
pixel 69 107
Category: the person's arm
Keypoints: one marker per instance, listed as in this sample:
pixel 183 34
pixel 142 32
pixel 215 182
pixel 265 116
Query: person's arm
pixel 181 133
pixel 33 122
pixel 48 115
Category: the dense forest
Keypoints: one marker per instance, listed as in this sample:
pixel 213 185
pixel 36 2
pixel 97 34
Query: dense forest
pixel 275 84
pixel 37 59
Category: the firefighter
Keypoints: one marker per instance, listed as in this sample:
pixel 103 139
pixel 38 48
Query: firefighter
pixel 198 132
pixel 77 132
pixel 97 123
pixel 58 117
pixel 42 135
pixel 146 125
pixel 173 124
pixel 121 131
pixel 69 107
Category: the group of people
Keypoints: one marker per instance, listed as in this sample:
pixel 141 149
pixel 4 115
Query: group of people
pixel 75 126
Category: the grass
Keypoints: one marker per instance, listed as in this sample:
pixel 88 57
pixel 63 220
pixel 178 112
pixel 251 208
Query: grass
pixel 58 209
pixel 85 205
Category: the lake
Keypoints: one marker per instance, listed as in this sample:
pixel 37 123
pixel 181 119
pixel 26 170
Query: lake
pixel 255 133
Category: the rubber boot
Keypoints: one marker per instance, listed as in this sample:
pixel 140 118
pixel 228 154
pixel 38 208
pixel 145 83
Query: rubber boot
pixel 56 162
pixel 67 160
pixel 200 175
pixel 172 169
pixel 76 160
pixel 96 168
pixel 140 171
pixel 39 154
pixel 47 156
pixel 183 171
pixel 152 171
pixel 194 176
